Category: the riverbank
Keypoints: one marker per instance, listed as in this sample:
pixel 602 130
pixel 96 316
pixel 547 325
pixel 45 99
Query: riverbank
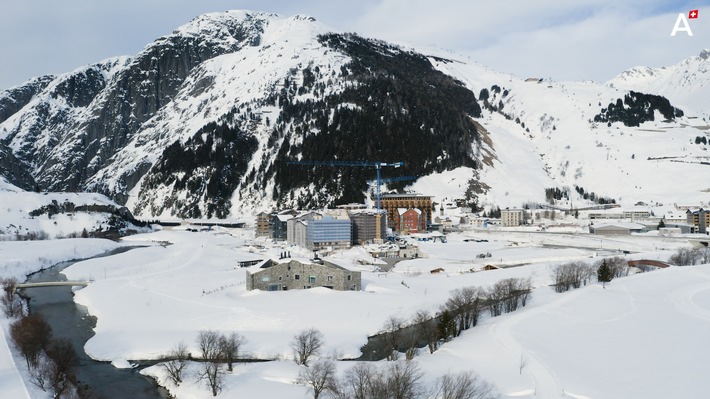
pixel 74 323
pixel 17 260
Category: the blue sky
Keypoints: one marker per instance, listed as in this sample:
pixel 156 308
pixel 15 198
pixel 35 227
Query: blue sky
pixel 560 39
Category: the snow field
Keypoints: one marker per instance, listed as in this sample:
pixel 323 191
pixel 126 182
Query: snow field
pixel 632 335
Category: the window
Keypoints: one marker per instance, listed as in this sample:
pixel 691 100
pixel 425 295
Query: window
pixel 312 279
pixel 330 279
pixel 280 278
pixel 349 277
pixel 274 287
pixel 297 276
pixel 265 279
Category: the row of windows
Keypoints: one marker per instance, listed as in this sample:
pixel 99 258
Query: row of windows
pixel 311 279
pixel 279 287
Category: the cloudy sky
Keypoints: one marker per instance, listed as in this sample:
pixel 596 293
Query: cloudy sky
pixel 558 39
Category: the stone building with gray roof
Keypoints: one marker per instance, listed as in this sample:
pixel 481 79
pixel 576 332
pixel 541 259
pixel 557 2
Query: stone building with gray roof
pixel 295 275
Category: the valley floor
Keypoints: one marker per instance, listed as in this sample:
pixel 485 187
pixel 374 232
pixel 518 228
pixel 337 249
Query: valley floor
pixel 641 336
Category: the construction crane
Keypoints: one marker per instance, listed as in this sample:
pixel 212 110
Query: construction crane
pixel 376 165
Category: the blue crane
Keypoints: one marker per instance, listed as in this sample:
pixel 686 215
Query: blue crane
pixel 376 165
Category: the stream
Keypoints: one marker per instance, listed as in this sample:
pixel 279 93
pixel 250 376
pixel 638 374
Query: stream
pixel 72 321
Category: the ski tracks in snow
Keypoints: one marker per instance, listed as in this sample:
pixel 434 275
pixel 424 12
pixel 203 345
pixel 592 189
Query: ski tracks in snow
pixel 684 300
pixel 545 381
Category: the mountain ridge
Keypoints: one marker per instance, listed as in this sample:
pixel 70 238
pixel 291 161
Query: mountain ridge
pixel 296 90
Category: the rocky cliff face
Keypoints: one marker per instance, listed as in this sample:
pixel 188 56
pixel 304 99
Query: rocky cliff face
pixel 70 126
pixel 13 170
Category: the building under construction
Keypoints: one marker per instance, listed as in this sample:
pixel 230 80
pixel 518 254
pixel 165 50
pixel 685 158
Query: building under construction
pixel 393 203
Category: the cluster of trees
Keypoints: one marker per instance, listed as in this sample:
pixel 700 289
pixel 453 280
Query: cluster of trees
pixel 50 361
pixel 215 349
pixel 637 108
pixel 689 256
pixel 577 274
pixel 399 108
pixel 210 165
pixel 460 312
pixel 485 96
pixel 555 194
pixel 591 196
pixel 494 212
pixel 396 380
pixel 701 139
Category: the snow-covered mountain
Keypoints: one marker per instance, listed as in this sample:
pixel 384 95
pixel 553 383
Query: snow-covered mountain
pixel 686 83
pixel 203 123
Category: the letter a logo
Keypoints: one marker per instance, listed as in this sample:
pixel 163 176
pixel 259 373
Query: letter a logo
pixel 685 28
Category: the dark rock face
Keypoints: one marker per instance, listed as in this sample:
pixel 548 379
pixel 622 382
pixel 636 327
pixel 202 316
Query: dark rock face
pixel 136 93
pixel 13 100
pixel 84 118
pixel 13 170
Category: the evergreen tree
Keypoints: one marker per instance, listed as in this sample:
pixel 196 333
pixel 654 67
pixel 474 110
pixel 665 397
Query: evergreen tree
pixel 604 274
pixel 447 326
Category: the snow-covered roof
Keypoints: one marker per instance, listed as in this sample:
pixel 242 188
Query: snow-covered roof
pixel 623 225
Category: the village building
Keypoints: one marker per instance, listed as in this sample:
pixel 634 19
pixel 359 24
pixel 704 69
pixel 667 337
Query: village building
pixel 263 224
pixel 392 203
pixel 368 226
pixel 318 231
pixel 619 228
pixel 512 217
pixel 279 224
pixel 699 219
pixel 295 275
pixel 402 250
pixel 328 233
pixel 296 228
pixel 635 213
pixel 409 220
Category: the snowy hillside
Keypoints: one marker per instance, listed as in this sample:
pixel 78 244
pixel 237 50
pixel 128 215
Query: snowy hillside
pixel 557 144
pixel 649 322
pixel 686 83
pixel 204 121
pixel 31 216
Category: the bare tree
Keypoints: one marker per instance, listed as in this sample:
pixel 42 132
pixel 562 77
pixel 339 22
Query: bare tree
pixel 229 347
pixel 64 359
pixel 31 334
pixel 10 302
pixel 393 336
pixel 426 329
pixel 358 382
pixel 617 265
pixel 319 377
pixel 571 275
pixel 688 256
pixel 703 255
pixel 208 344
pixel 404 380
pixel 213 375
pixel 305 344
pixel 175 361
pixel 464 307
pixel 40 375
pixel 463 385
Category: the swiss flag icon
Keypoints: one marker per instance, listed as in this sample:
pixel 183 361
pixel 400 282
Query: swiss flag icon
pixel 692 14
